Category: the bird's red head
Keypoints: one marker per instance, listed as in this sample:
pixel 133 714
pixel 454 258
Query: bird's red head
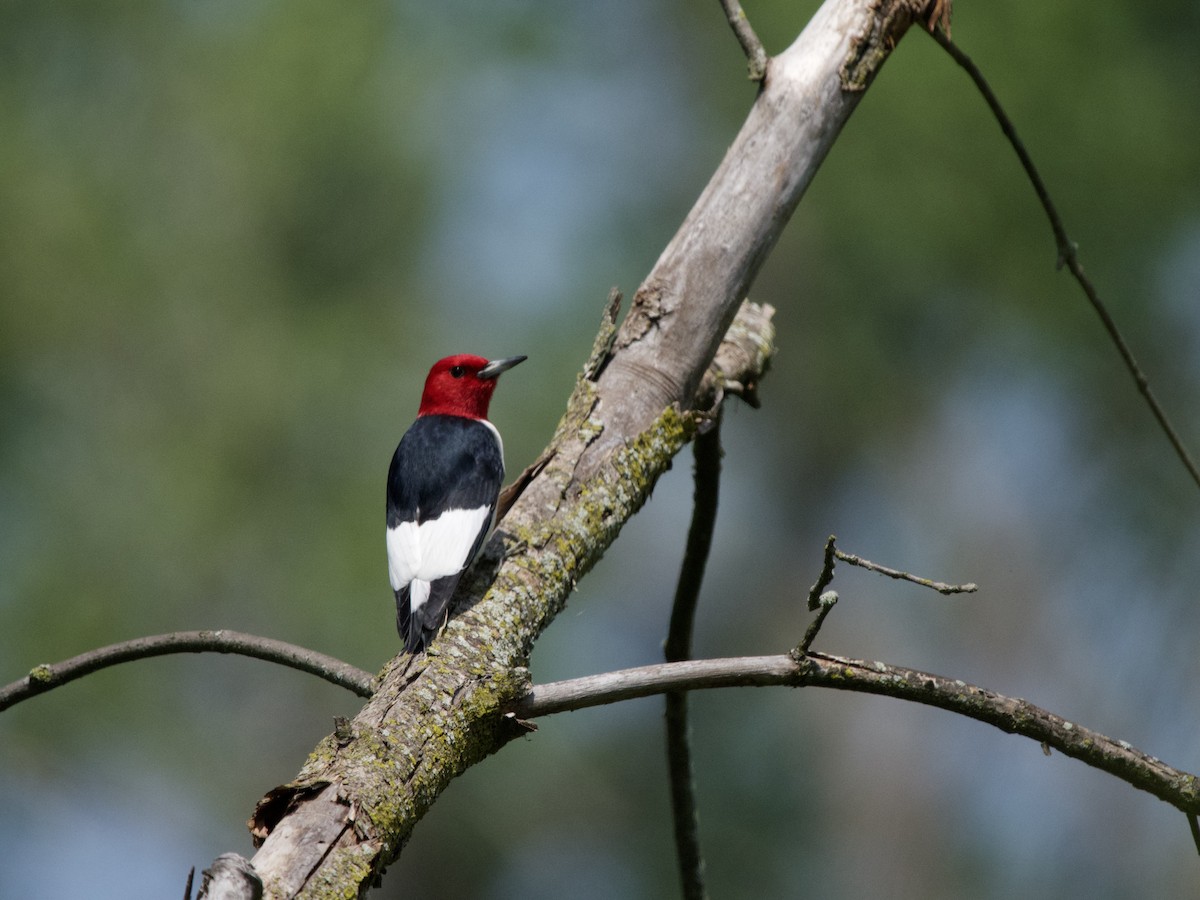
pixel 462 385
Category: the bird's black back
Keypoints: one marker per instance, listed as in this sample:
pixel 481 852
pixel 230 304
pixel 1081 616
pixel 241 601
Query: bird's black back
pixel 442 463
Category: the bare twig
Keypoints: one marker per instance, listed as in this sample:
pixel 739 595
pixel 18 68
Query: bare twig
pixel 1014 716
pixel 823 600
pixel 826 576
pixel 756 56
pixel 939 586
pixel 832 554
pixel 678 647
pixel 1194 827
pixel 826 602
pixel 44 677
pixel 1068 252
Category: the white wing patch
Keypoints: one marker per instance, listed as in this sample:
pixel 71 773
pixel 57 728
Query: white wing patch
pixel 432 550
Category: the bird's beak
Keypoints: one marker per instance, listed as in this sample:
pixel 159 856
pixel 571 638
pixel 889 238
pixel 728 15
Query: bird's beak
pixel 496 366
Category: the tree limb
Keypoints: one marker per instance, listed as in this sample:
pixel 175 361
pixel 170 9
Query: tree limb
pixel 51 675
pixel 353 805
pixel 350 810
pixel 1013 716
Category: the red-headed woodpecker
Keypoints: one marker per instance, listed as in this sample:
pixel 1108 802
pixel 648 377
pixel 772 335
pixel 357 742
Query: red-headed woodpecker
pixel 441 492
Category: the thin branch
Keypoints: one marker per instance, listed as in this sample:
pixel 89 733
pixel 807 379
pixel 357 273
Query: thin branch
pixel 50 675
pixel 832 554
pixel 826 602
pixel 826 577
pixel 756 56
pixel 707 451
pixel 1014 716
pixel 939 586
pixel 678 647
pixel 646 681
pixel 1068 252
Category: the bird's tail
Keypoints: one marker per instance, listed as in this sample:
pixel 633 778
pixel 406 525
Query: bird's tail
pixel 410 631
pixel 422 610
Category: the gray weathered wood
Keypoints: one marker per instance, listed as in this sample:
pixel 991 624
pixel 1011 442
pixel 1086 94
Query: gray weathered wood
pixel 347 815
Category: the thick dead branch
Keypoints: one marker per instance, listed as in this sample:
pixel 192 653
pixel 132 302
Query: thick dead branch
pixel 363 790
pixel 352 807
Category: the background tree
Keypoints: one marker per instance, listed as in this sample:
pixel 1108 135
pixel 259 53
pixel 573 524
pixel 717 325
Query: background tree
pixel 221 222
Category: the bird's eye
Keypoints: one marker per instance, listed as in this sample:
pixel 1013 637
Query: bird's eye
pixel 457 371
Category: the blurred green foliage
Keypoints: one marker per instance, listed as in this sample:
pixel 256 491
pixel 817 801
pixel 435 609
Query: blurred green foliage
pixel 234 235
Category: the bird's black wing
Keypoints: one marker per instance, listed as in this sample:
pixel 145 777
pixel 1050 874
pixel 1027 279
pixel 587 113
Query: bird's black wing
pixel 443 463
